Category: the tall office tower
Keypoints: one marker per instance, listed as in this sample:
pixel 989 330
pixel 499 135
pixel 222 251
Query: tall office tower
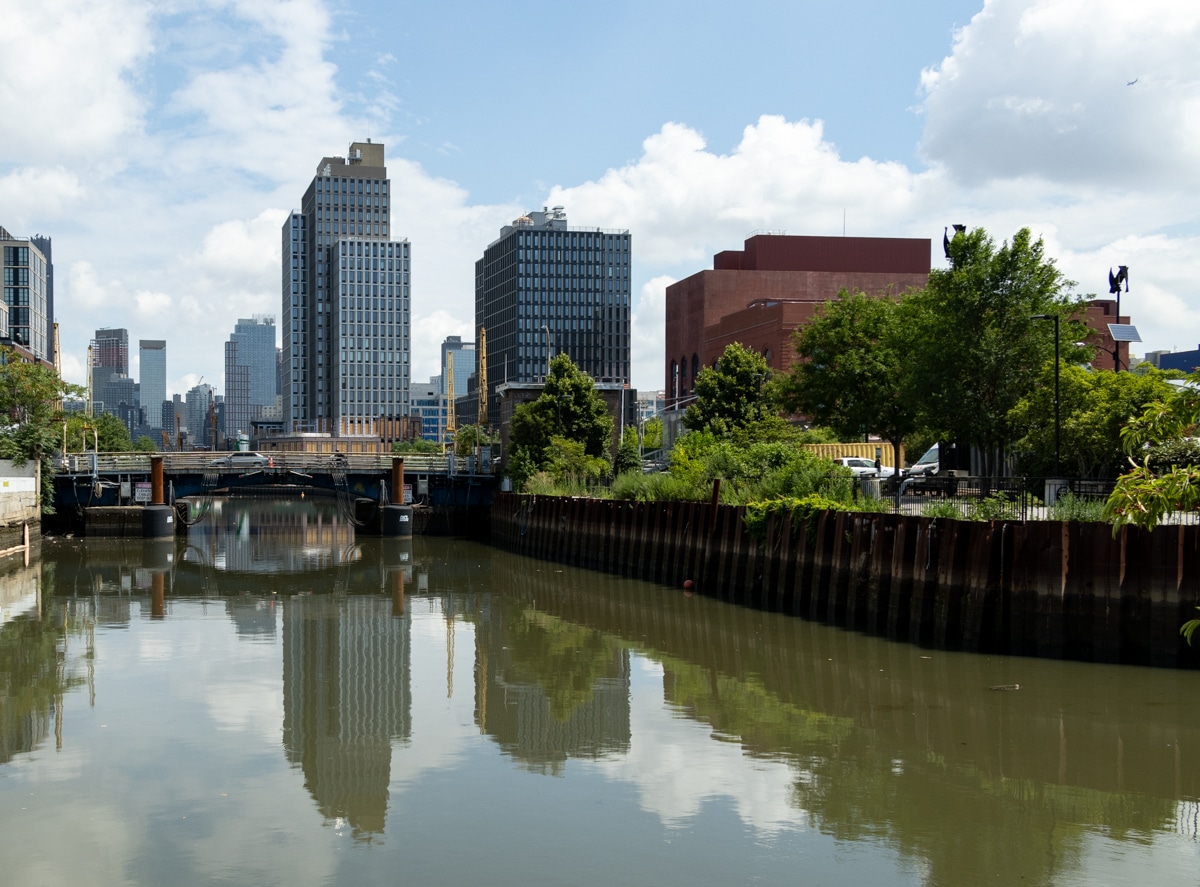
pixel 464 364
pixel 345 301
pixel 27 276
pixel 152 370
pixel 46 249
pixel 249 372
pixel 543 288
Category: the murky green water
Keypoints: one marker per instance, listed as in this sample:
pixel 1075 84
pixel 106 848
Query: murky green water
pixel 277 702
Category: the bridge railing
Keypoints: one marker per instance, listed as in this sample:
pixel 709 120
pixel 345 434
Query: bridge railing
pixel 362 463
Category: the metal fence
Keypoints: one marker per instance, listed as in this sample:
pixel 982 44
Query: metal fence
pixel 996 498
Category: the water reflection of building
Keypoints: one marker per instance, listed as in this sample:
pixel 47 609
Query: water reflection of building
pixel 548 690
pixel 253 617
pixel 272 536
pixel 346 698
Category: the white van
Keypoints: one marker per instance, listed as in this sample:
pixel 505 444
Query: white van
pixel 927 464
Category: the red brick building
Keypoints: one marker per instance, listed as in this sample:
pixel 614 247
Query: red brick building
pixel 1100 313
pixel 758 295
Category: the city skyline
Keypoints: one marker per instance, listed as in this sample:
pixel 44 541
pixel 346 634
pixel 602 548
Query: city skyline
pixel 163 169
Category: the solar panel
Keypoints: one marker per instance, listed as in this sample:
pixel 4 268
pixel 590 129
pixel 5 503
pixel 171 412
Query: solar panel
pixel 1124 332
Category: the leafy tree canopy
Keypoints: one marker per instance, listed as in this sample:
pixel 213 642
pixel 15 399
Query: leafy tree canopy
pixel 853 372
pixel 974 345
pixel 1093 408
pixel 1149 492
pixel 570 408
pixel 733 395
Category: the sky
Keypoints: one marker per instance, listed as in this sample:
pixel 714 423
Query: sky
pixel 162 144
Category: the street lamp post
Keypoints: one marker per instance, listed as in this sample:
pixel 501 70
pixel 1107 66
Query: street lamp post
pixel 1057 401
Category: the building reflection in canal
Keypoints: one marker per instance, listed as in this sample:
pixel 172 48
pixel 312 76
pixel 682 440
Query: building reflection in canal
pixel 804 732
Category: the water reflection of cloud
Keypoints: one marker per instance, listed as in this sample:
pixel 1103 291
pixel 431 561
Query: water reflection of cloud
pixel 443 700
pixel 253 707
pixel 677 765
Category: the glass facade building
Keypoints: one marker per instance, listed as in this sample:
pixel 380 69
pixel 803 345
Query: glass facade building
pixel 346 301
pixel 249 373
pixel 543 288
pixel 27 294
pixel 152 376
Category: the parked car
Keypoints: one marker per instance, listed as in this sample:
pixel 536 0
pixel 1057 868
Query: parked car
pixel 241 460
pixel 865 467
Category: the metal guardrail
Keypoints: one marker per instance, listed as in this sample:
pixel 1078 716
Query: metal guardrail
pixel 305 463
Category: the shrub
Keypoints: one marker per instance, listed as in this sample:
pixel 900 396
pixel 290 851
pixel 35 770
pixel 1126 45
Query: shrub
pixel 1080 508
pixel 759 514
pixel 946 510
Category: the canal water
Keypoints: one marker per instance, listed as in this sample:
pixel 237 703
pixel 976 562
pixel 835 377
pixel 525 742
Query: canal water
pixel 277 701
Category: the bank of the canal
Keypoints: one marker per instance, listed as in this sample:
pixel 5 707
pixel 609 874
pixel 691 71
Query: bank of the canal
pixel 1064 590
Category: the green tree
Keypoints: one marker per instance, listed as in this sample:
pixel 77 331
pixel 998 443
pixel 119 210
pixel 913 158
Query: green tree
pixel 733 395
pixel 568 407
pixel 105 433
pixel 652 434
pixel 1150 491
pixel 469 437
pixel 1093 408
pixel 629 458
pixel 974 345
pixel 853 372
pixel 31 396
pixel 419 446
pixel 144 444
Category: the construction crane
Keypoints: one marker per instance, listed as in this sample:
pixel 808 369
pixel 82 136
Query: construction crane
pixel 482 387
pixel 451 422
pixel 88 409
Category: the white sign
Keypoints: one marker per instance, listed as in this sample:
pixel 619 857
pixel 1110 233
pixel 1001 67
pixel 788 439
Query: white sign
pixel 142 492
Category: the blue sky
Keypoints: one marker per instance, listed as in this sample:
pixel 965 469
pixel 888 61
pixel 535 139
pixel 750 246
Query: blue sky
pixel 162 144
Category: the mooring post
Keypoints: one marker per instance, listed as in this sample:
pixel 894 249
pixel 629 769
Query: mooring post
pixel 156 480
pixel 398 480
pixel 397 517
pixel 158 520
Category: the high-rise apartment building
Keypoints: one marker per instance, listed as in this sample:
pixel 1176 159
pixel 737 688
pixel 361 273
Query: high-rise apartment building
pixel 543 288
pixel 345 301
pixel 152 379
pixel 249 373
pixel 28 278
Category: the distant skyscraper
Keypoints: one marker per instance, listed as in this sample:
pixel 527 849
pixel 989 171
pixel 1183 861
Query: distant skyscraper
pixel 28 278
pixel 110 351
pixel 464 364
pixel 544 288
pixel 249 372
pixel 152 370
pixel 345 300
pixel 111 385
pixel 198 421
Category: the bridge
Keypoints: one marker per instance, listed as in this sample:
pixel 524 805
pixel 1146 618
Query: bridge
pixel 90 480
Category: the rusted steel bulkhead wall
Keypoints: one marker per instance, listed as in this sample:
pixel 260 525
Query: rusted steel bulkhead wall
pixel 1050 589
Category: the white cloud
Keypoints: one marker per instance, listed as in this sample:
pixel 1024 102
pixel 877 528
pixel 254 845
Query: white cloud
pixel 67 79
pixel 648 324
pixel 1039 89
pixel 30 193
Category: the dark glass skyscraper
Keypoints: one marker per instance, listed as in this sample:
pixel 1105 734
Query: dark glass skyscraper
pixel 345 301
pixel 543 288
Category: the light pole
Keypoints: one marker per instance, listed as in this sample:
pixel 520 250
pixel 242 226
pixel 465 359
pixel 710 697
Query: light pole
pixel 1114 289
pixel 1057 402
